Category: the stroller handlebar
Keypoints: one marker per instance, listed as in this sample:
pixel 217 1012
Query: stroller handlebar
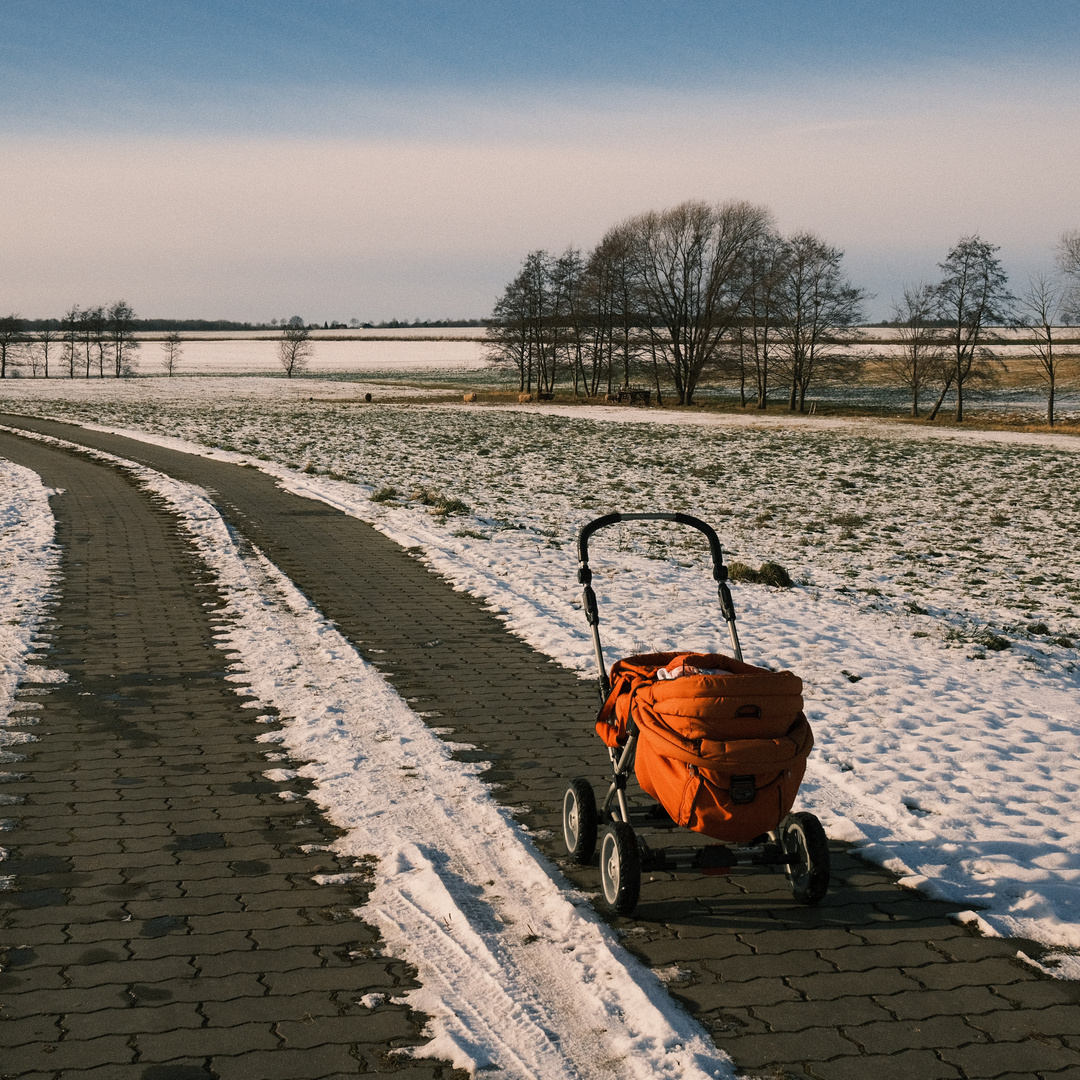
pixel 584 575
pixel 592 613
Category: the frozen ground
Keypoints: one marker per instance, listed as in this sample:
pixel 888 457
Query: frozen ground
pixel 935 620
pixel 194 391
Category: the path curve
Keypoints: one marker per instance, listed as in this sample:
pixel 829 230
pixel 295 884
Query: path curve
pixel 164 922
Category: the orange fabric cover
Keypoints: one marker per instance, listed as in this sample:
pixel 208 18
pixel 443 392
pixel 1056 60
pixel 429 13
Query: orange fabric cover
pixel 697 731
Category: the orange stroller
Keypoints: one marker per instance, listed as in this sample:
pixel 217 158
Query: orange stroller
pixel 720 745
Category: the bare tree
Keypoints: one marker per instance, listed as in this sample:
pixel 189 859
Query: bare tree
pixel 921 355
pixel 612 317
pixel 1041 305
pixel 564 324
pixel 46 338
pixel 972 297
pixel 1068 259
pixel 91 323
pixel 12 340
pixel 817 308
pixel 508 333
pixel 595 322
pixel 765 277
pixel 69 330
pixel 294 347
pixel 533 324
pixel 171 351
pixel 120 323
pixel 691 267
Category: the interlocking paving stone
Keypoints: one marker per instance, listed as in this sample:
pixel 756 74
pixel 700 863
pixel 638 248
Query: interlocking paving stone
pixel 804 1014
pixel 148 841
pixel 1030 1023
pixel 907 1065
pixel 933 1033
pixel 873 958
pixel 922 1004
pixel 980 1060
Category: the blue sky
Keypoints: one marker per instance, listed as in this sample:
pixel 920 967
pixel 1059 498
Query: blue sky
pixel 345 158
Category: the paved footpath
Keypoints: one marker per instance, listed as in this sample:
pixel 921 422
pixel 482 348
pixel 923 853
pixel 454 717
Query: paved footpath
pixel 165 924
pixel 876 982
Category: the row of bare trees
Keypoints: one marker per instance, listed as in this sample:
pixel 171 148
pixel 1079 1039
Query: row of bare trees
pixel 100 341
pixel 945 328
pixel 93 341
pixel 706 291
pixel 680 295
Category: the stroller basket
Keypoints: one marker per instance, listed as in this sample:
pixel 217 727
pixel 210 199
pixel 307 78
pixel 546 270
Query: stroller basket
pixel 721 745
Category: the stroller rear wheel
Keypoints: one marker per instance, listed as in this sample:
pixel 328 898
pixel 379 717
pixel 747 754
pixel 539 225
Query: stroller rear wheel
pixel 620 868
pixel 579 820
pixel 804 838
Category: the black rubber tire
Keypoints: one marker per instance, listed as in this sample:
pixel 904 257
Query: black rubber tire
pixel 804 837
pixel 620 868
pixel 579 820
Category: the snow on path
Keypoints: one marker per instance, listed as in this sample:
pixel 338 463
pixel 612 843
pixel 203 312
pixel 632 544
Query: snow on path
pixel 957 768
pixel 28 569
pixel 520 977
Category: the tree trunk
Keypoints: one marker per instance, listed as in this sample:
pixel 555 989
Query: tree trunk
pixel 937 404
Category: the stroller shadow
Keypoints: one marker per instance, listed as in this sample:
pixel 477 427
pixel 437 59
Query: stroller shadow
pixel 752 901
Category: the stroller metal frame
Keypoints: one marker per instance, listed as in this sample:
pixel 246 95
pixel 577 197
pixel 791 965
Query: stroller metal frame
pixel 798 844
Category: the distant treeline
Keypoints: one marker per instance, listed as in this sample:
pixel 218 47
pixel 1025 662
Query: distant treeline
pixel 210 325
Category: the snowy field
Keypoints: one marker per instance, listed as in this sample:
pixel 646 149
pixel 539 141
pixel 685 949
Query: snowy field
pixel 935 619
pixel 354 357
pixel 420 361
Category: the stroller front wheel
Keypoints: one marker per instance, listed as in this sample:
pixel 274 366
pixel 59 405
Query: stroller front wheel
pixel 579 820
pixel 620 868
pixel 804 839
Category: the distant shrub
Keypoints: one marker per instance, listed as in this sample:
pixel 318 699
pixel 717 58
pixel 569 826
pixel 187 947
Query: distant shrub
pixel 739 571
pixel 771 573
pixel 994 642
pixel 774 574
pixel 441 505
pixel 848 520
pixel 385 494
pixel 451 506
